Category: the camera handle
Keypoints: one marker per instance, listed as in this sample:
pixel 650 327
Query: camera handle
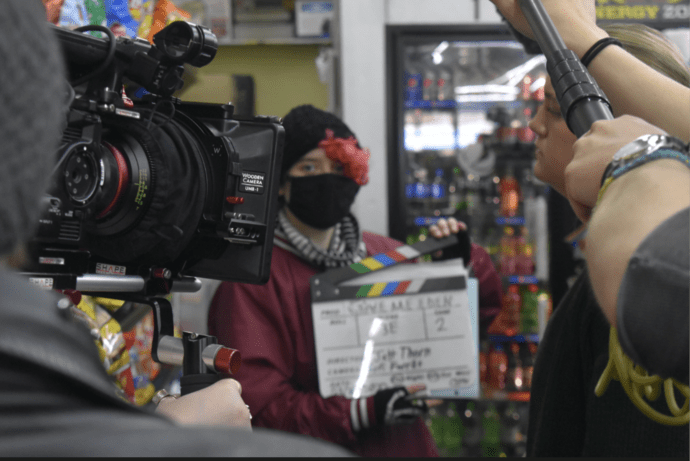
pixel 582 101
pixel 202 359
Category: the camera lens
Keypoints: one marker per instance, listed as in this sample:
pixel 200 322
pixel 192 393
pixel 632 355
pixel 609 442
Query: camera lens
pixel 81 174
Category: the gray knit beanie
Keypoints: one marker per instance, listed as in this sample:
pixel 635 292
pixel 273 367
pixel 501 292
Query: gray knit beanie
pixel 32 89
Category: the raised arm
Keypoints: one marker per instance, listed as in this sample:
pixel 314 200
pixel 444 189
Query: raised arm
pixel 631 86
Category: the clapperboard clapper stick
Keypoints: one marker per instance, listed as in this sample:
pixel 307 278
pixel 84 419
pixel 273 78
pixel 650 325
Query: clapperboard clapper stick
pixel 325 286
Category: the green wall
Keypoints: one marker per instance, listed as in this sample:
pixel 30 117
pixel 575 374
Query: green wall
pixel 284 76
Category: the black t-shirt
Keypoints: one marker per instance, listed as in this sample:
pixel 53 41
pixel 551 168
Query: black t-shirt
pixel 653 302
pixel 566 418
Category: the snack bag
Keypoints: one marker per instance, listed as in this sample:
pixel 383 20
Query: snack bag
pixel 95 9
pixel 73 14
pixel 53 8
pixel 142 12
pixel 164 13
pixel 119 19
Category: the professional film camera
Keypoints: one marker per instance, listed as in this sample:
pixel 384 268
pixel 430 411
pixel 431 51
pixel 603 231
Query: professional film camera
pixel 150 193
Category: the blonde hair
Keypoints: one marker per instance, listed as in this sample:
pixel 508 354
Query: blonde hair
pixel 653 48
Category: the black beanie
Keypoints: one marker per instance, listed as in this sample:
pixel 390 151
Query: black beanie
pixel 32 111
pixel 305 126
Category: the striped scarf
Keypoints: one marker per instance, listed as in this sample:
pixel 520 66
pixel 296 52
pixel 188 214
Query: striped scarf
pixel 346 245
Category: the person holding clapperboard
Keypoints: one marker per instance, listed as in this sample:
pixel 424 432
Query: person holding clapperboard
pixel 323 169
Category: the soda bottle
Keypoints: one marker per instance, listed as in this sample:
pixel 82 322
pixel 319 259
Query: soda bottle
pixel 528 364
pixel 413 81
pixel 525 88
pixel 453 431
pixel 544 310
pixel 483 366
pixel 491 443
pixel 524 263
pixel 472 429
pixel 409 185
pixel 510 436
pixel 435 421
pixel 525 133
pixel 510 195
pixel 511 307
pixel 538 94
pixel 455 190
pixel 498 365
pixel 507 252
pixel 444 85
pixel 514 379
pixel 429 81
pixel 529 314
pixel 439 193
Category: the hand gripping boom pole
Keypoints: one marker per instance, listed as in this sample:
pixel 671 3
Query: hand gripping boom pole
pixel 582 101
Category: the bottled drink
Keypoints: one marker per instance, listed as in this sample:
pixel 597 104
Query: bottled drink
pixel 439 193
pixel 483 366
pixel 510 195
pixel 429 81
pixel 421 187
pixel 544 310
pixel 409 185
pixel 525 88
pixel 453 431
pixel 507 252
pixel 435 421
pixel 472 429
pixel 511 307
pixel 529 314
pixel 511 437
pixel 491 443
pixel 528 364
pixel 538 94
pixel 413 81
pixel 455 190
pixel 498 365
pixel 525 133
pixel 541 238
pixel 444 85
pixel 514 379
pixel 524 264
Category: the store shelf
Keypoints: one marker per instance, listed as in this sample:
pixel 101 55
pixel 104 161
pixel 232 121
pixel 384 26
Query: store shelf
pixel 520 396
pixel 277 41
pixel 521 338
pixel 512 221
pixel 520 280
pixel 450 104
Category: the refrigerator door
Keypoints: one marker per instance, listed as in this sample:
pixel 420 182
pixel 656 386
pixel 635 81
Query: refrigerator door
pixel 459 104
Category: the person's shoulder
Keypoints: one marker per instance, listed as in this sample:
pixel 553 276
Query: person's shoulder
pixel 378 243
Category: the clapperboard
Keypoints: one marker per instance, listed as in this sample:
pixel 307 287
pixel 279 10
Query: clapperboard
pixel 407 324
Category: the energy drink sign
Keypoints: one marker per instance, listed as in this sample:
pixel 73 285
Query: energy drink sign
pixel 659 14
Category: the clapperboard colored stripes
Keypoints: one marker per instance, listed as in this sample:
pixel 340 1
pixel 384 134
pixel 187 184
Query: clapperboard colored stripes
pixel 325 286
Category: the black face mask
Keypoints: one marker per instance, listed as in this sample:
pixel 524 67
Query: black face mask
pixel 321 201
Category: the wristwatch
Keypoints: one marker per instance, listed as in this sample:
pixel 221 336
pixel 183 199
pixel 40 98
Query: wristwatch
pixel 638 152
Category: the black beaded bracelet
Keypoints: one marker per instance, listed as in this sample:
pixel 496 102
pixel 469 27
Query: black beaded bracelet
pixel 597 47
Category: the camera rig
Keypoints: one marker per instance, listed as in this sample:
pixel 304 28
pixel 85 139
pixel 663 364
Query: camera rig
pixel 150 193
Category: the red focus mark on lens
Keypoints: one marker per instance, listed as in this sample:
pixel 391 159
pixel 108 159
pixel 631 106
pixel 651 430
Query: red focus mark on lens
pixel 123 179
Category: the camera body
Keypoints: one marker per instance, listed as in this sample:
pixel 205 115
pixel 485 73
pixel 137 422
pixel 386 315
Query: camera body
pixel 152 192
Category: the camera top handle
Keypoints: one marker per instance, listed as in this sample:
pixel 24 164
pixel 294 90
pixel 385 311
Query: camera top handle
pixel 582 101
pixel 157 68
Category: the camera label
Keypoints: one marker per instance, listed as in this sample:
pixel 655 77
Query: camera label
pixel 252 182
pixel 51 261
pixel 110 269
pixel 42 282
